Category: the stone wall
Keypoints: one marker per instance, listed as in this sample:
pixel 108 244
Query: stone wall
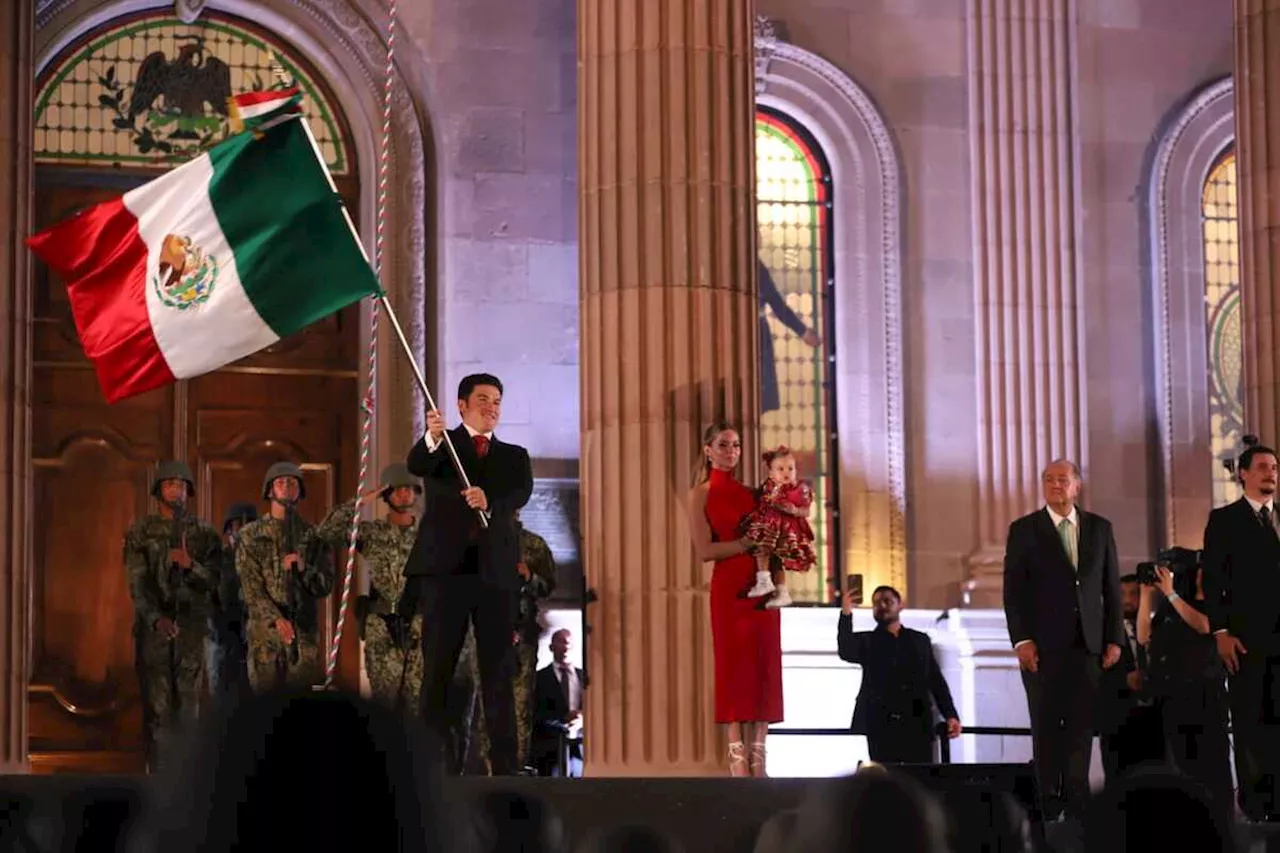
pixel 1128 65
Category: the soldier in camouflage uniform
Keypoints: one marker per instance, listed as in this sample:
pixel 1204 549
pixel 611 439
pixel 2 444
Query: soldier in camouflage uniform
pixel 172 560
pixel 284 569
pixel 227 674
pixel 538 568
pixel 395 671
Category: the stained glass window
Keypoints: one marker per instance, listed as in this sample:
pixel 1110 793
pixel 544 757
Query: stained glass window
pixel 797 389
pixel 151 91
pixel 1222 314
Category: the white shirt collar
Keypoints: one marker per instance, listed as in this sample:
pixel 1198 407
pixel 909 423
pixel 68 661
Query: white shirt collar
pixel 1072 517
pixel 473 433
pixel 1257 507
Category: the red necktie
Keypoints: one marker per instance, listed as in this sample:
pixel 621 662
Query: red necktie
pixel 482 445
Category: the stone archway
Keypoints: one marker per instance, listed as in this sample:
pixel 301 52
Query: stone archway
pixel 1195 135
pixel 348 52
pixel 867 246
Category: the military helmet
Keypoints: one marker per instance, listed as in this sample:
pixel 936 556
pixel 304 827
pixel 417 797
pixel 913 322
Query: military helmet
pixel 396 475
pixel 173 470
pixel 283 469
pixel 241 512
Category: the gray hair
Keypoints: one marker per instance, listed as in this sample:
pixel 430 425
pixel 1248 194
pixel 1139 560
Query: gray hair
pixel 1075 469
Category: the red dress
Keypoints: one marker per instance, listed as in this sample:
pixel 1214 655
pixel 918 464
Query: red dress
pixel 780 533
pixel 746 637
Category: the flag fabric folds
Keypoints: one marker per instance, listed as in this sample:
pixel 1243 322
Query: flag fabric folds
pixel 208 263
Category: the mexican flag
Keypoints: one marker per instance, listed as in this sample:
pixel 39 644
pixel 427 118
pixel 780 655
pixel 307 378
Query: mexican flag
pixel 259 110
pixel 209 263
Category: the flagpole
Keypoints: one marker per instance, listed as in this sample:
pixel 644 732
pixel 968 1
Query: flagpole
pixel 395 322
pixel 426 392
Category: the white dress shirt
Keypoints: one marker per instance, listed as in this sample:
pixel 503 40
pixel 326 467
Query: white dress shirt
pixel 1257 506
pixel 432 444
pixel 565 672
pixel 1073 531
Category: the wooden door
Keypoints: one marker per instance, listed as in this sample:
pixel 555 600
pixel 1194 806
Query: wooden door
pixel 93 465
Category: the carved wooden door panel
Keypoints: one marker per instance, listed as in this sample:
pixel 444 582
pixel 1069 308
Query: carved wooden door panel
pixel 93 465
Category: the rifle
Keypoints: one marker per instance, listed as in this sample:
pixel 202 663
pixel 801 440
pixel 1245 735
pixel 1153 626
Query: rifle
pixel 176 531
pixel 293 583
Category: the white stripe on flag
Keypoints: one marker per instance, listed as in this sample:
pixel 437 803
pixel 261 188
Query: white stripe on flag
pixel 225 327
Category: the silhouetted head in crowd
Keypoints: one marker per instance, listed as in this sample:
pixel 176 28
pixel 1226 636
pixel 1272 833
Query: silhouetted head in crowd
pixel 303 771
pixel 507 821
pixel 1156 809
pixel 778 833
pixel 871 812
pixel 629 839
pixel 990 821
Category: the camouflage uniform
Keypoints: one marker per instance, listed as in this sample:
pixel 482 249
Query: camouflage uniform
pixel 395 672
pixel 170 672
pixel 227 673
pixel 270 593
pixel 536 555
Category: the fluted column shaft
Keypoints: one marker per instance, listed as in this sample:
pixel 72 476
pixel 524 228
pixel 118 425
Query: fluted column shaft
pixel 1026 275
pixel 1257 82
pixel 17 25
pixel 666 229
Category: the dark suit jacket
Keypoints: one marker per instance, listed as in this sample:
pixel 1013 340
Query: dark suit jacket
pixel 1114 696
pixel 448 524
pixel 899 675
pixel 1241 562
pixel 550 705
pixel 1052 604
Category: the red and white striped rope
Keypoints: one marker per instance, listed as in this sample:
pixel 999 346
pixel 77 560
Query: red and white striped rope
pixel 370 397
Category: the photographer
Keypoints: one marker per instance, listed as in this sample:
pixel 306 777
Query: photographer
pixel 1186 676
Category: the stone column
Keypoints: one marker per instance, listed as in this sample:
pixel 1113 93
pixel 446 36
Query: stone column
pixel 667 237
pixel 17 25
pixel 1257 82
pixel 1025 267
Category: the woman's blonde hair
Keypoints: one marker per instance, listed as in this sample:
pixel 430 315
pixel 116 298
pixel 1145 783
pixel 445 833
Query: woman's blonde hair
pixel 703 472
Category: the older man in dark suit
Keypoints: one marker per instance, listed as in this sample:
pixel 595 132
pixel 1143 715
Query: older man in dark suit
pixel 459 570
pixel 1063 608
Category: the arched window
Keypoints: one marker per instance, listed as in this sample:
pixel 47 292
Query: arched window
pixel 150 91
pixel 797 388
pixel 1222 317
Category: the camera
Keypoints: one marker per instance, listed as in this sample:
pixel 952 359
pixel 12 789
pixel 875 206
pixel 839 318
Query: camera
pixel 1177 560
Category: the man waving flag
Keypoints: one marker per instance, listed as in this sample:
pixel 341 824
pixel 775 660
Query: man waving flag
pixel 209 263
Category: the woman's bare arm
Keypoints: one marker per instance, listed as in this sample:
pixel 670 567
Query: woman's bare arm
pixel 703 544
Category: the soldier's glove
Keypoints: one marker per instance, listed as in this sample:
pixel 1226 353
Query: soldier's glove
pixel 397 629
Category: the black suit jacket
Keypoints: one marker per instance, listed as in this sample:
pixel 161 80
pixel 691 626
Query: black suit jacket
pixel 449 526
pixel 1114 696
pixel 899 675
pixel 1241 562
pixel 1052 604
pixel 550 705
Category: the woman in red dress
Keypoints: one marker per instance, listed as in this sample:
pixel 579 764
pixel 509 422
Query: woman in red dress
pixel 746 638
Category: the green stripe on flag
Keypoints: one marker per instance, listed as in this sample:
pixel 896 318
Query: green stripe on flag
pixel 296 255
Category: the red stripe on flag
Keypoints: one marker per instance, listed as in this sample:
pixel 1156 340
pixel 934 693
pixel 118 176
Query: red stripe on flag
pixel 252 99
pixel 101 256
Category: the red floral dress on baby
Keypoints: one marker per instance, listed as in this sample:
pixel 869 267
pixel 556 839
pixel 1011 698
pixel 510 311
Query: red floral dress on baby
pixel 783 534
